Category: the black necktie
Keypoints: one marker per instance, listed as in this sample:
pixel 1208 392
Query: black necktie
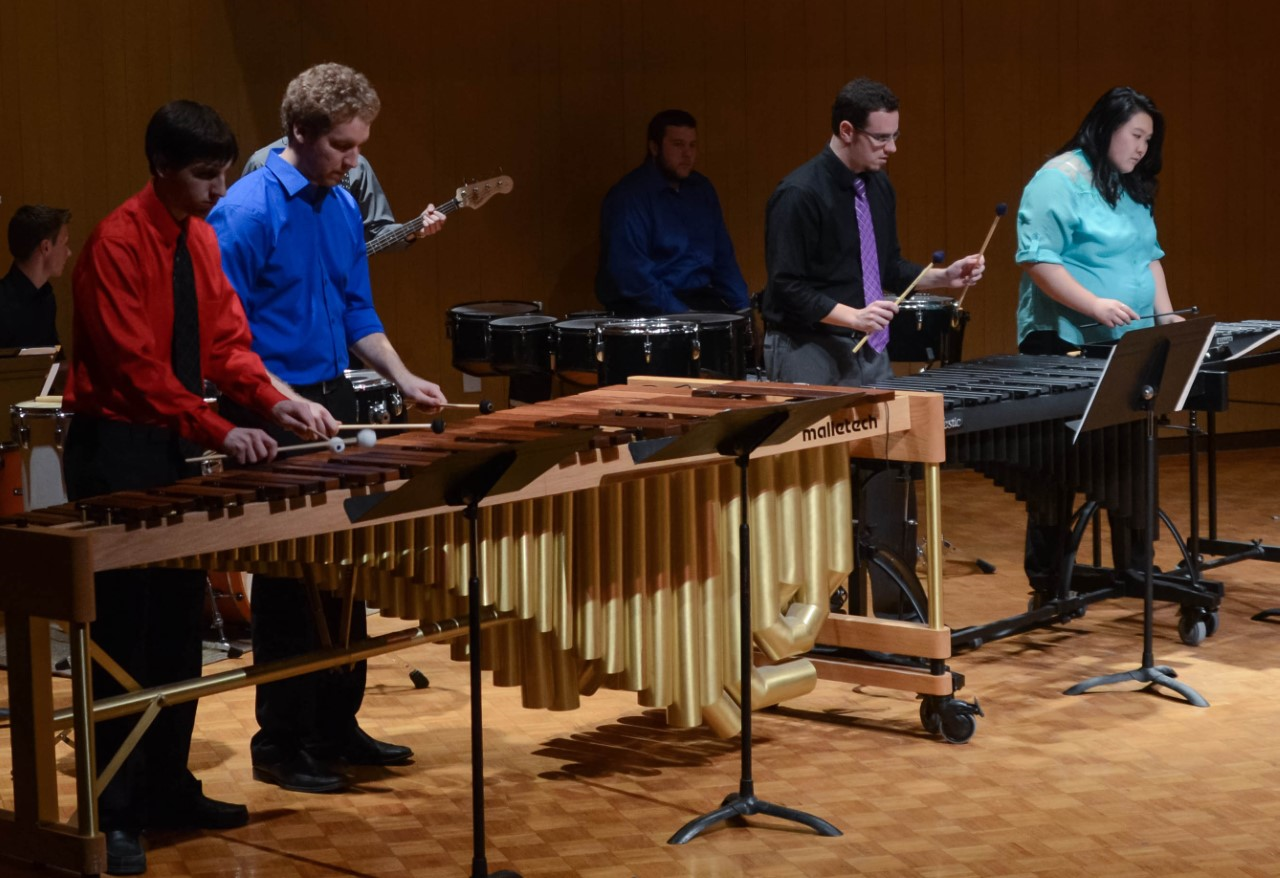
pixel 186 320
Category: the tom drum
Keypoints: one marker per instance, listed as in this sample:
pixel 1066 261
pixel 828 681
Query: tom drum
pixel 647 346
pixel 927 329
pixel 39 430
pixel 468 328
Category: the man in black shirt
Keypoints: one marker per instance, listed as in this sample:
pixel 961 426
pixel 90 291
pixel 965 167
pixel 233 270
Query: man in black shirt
pixel 38 242
pixel 823 285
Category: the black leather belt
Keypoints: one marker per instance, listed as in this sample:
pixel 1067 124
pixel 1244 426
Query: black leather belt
pixel 323 388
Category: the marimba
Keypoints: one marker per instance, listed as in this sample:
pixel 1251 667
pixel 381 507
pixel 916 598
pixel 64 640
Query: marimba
pixel 612 568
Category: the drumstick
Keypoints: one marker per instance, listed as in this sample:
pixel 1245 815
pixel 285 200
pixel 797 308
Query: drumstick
pixel 1001 210
pixel 937 257
pixel 1194 309
pixel 366 438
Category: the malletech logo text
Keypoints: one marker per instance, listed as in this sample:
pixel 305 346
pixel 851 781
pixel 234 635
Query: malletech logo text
pixel 847 427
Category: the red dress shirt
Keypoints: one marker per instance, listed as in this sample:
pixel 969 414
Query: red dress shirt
pixel 122 327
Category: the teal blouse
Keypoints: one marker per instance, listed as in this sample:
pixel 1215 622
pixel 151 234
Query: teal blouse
pixel 1065 221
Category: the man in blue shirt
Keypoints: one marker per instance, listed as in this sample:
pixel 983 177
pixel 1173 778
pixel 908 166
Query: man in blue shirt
pixel 293 246
pixel 664 248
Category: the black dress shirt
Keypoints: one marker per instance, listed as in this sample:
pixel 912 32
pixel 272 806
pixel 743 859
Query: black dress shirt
pixel 28 316
pixel 812 250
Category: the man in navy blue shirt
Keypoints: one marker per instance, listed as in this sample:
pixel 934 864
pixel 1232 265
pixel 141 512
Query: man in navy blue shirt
pixel 664 248
pixel 293 247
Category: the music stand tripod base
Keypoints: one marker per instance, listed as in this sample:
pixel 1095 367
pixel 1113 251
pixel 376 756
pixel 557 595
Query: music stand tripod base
pixel 1149 373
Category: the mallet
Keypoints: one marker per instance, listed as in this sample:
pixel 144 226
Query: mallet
pixel 938 256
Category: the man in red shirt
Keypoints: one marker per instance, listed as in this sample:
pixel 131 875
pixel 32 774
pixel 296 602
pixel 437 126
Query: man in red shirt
pixel 153 317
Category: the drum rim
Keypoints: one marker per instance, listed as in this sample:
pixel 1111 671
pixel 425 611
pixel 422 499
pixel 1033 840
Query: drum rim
pixel 920 299
pixel 703 317
pixel 593 323
pixel 457 310
pixel 543 320
pixel 647 325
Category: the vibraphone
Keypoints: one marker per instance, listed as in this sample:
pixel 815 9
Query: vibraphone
pixel 612 570
pixel 1007 418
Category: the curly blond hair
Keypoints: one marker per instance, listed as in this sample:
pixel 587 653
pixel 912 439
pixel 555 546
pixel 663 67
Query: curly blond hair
pixel 325 96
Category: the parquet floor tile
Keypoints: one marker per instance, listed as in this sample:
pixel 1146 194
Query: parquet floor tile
pixel 1115 783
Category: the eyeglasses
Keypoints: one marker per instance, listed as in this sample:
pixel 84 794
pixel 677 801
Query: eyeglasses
pixel 881 139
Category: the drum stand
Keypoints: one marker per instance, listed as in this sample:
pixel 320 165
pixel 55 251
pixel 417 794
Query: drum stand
pixel 218 627
pixel 1156 354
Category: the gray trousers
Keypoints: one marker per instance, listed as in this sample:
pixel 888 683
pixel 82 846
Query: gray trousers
pixel 816 358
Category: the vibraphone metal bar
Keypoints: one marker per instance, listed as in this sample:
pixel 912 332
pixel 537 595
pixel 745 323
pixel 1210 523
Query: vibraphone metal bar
pixel 291 516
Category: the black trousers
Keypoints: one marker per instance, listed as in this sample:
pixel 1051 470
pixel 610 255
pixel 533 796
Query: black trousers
pixel 1050 507
pixel 149 621
pixel 316 711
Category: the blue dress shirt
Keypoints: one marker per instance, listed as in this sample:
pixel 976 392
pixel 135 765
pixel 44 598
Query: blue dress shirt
pixel 1064 220
pixel 657 242
pixel 295 253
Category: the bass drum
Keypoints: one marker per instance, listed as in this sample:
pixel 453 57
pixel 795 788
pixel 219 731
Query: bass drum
pixel 723 342
pixel 468 328
pixel 521 345
pixel 647 346
pixel 927 329
pixel 378 401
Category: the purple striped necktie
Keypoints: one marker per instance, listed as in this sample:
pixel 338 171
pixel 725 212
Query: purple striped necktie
pixel 871 290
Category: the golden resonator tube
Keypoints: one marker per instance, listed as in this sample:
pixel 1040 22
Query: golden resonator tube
pixel 632 585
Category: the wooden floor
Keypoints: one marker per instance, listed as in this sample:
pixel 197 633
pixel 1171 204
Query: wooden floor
pixel 1114 783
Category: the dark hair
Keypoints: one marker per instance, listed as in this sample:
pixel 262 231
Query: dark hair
pixel 327 95
pixel 1093 138
pixel 659 124
pixel 182 133
pixel 33 223
pixel 858 100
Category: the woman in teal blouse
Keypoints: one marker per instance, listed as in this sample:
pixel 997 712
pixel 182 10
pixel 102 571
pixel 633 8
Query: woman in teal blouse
pixel 1087 244
pixel 1086 235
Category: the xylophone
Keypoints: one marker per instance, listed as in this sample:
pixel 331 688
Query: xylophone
pixel 1007 418
pixel 613 568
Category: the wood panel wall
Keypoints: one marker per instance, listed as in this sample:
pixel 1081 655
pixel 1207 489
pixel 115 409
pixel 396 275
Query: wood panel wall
pixel 556 94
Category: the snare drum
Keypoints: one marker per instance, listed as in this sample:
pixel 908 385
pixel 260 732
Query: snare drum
pixel 468 327
pixel 647 346
pixel 39 429
pixel 575 343
pixel 926 329
pixel 521 345
pixel 722 338
pixel 378 401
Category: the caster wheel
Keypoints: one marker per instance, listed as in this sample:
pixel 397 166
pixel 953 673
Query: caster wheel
pixel 1211 624
pixel 958 722
pixel 930 717
pixel 1193 627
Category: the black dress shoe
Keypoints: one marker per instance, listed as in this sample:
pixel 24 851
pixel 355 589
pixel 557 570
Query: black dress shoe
pixel 125 855
pixel 299 773
pixel 199 812
pixel 361 749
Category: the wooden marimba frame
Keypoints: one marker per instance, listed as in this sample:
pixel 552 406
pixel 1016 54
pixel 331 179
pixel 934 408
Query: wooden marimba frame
pixel 289 518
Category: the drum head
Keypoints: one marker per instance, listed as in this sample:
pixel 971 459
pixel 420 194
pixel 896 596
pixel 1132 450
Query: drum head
pixel 498 308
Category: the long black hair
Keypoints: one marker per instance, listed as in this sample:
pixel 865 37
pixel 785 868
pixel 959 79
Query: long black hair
pixel 1093 138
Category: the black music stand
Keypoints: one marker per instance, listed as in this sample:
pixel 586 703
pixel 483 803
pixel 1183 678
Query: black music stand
pixel 1149 373
pixel 465 479
pixel 736 434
